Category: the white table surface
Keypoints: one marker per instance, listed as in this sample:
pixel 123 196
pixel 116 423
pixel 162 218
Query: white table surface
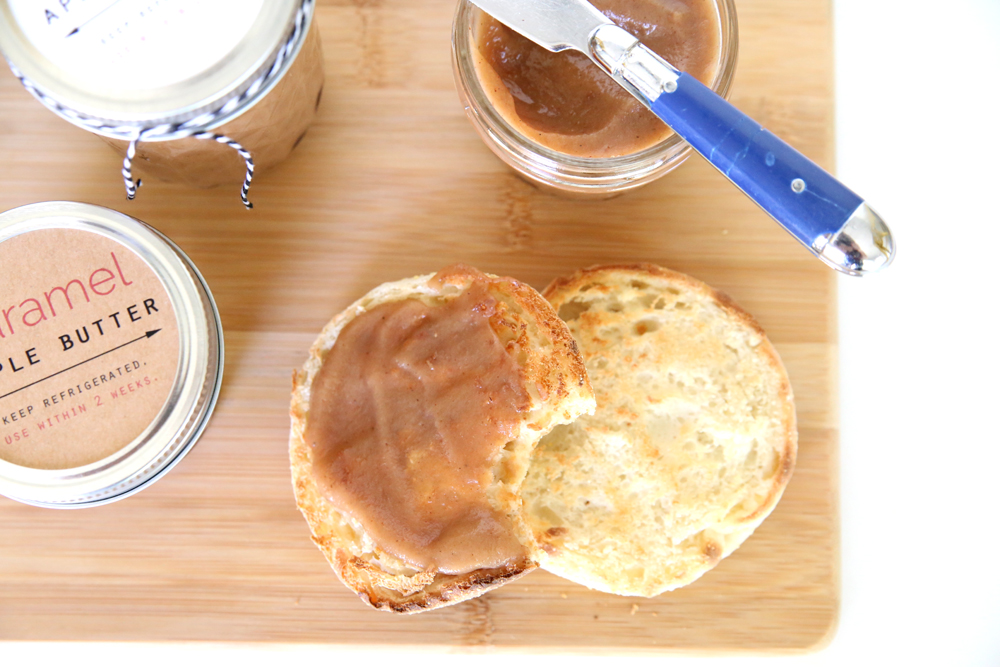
pixel 918 111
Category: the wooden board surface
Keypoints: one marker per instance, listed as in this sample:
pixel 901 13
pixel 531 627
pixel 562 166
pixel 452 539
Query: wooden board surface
pixel 392 181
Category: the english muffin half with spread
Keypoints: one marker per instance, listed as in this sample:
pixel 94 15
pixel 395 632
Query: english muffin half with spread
pixel 412 425
pixel 692 443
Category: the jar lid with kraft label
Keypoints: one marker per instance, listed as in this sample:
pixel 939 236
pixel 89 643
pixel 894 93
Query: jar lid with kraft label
pixel 111 355
pixel 163 68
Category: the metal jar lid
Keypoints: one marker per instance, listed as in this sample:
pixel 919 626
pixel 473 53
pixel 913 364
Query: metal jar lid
pixel 111 355
pixel 167 68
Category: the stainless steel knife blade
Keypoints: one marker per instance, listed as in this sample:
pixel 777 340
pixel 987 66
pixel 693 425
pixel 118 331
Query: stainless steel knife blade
pixel 556 25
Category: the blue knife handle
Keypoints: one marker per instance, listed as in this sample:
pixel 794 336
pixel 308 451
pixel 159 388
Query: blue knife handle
pixel 801 196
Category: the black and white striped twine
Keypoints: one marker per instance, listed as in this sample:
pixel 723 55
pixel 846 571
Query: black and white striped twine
pixel 132 185
pixel 194 127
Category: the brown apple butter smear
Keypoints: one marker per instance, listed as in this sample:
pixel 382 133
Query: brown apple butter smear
pixel 407 418
pixel 568 104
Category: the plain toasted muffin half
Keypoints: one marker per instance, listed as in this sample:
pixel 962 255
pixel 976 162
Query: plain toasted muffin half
pixel 363 537
pixel 692 444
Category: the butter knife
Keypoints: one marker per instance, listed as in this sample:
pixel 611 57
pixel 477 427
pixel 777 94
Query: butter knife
pixel 835 224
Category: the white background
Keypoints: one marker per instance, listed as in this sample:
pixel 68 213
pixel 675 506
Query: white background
pixel 917 134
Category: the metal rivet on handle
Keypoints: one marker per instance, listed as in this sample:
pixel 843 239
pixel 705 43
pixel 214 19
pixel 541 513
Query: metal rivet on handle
pixel 798 185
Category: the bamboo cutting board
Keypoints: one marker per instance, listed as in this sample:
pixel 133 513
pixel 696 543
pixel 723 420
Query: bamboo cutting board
pixel 392 181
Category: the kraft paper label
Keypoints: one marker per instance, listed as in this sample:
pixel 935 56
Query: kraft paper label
pixel 134 44
pixel 88 348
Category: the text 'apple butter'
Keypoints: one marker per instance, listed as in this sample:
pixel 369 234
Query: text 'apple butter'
pixel 408 416
pixel 565 102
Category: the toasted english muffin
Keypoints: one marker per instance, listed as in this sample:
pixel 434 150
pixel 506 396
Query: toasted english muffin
pixel 555 388
pixel 692 443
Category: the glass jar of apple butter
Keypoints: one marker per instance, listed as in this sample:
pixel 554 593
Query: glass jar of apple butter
pixel 560 121
pixel 201 93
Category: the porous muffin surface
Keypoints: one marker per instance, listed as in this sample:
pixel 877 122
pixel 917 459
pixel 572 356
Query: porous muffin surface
pixel 692 443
